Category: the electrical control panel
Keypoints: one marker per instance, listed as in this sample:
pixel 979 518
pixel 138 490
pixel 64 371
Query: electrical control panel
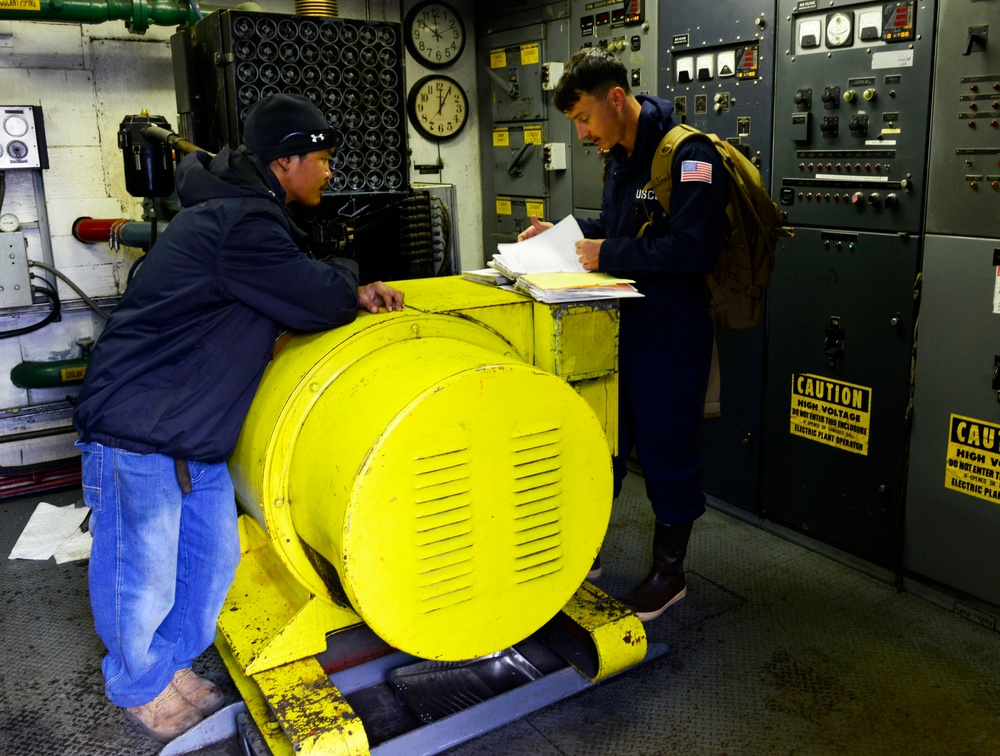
pixel 629 30
pixel 22 137
pixel 952 522
pixel 718 68
pixel 850 154
pixel 851 116
pixel 15 275
pixel 716 63
pixel 525 138
pixel 963 192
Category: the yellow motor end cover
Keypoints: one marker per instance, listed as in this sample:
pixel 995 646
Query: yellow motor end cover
pixel 460 494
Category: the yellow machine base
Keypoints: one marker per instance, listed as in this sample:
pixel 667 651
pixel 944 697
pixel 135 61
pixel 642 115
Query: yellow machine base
pixel 298 709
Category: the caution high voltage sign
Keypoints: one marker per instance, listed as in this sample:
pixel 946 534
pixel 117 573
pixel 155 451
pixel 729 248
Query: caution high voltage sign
pixel 973 465
pixel 831 412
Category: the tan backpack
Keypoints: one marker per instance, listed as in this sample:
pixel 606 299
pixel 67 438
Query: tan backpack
pixel 755 223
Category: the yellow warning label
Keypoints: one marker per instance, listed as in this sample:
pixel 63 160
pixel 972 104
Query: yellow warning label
pixel 498 58
pixel 503 206
pixel 533 135
pixel 831 412
pixel 501 137
pixel 973 465
pixel 534 207
pixel 28 5
pixel 73 374
pixel 530 54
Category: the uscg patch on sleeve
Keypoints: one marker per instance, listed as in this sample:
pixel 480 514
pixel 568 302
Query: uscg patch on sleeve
pixel 696 170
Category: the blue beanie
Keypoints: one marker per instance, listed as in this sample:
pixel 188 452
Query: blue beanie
pixel 285 124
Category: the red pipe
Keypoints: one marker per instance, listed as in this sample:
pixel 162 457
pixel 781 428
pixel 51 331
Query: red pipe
pixel 97 229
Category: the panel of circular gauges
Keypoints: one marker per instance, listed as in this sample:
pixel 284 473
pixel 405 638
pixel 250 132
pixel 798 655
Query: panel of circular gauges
pixel 352 70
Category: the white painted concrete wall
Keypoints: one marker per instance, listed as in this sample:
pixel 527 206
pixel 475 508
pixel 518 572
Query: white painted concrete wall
pixel 87 78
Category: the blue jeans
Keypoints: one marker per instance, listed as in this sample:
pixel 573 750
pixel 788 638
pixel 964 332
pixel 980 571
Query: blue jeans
pixel 160 567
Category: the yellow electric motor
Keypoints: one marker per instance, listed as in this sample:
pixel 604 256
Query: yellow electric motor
pixel 416 466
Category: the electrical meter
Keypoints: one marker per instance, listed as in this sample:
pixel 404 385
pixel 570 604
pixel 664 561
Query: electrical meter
pixel 840 29
pixel 22 137
pixel 9 223
pixel 809 31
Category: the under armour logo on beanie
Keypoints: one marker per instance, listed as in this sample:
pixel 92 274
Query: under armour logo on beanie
pixel 285 124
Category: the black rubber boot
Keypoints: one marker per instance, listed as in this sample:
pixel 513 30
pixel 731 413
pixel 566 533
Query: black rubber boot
pixel 664 585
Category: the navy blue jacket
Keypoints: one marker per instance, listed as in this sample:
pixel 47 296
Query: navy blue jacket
pixel 682 247
pixel 182 354
pixel 665 345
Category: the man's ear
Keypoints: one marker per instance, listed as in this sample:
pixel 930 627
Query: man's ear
pixel 618 98
pixel 282 163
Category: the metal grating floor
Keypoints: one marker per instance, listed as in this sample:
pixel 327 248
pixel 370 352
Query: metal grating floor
pixel 776 649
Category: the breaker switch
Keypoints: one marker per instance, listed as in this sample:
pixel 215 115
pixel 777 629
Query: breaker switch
pixel 803 99
pixel 833 343
pixel 859 125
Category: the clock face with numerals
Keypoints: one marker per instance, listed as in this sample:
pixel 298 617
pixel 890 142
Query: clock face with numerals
pixel 438 107
pixel 434 34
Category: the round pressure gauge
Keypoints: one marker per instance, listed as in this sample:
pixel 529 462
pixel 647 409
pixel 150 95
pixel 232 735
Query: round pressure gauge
pixel 9 223
pixel 15 126
pixel 839 28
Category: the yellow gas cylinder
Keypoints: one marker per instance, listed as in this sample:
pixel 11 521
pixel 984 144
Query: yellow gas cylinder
pixel 415 468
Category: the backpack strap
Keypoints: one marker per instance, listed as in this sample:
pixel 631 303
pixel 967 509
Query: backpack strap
pixel 661 169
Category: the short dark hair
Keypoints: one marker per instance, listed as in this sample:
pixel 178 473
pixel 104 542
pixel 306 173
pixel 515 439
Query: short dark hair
pixel 591 71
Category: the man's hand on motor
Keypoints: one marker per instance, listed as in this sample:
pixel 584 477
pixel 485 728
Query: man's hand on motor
pixel 375 295
pixel 534 229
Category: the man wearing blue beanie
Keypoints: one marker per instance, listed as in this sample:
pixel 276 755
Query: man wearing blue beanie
pixel 168 387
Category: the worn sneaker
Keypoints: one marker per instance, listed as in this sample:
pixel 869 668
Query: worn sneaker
pixel 166 716
pixel 202 694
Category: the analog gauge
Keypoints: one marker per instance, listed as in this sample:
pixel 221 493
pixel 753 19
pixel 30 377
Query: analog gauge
pixel 9 223
pixel 840 29
pixel 15 126
pixel 870 24
pixel 809 33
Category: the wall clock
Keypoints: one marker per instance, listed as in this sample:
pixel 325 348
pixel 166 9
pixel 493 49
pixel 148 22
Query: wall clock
pixel 434 33
pixel 438 107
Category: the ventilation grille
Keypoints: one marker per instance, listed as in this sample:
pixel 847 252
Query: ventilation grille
pixel 444 519
pixel 443 510
pixel 537 514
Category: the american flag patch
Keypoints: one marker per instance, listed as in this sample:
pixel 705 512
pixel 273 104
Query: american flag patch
pixel 695 170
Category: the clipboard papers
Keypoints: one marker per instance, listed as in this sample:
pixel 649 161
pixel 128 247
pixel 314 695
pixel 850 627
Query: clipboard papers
pixel 547 268
pixel 575 287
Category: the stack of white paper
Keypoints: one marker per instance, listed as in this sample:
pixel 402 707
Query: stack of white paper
pixel 547 268
pixel 575 287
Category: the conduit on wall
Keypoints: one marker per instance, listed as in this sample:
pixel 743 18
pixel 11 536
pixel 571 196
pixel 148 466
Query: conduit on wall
pixel 138 15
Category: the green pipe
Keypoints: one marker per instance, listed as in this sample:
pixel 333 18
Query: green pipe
pixel 33 375
pixel 138 15
pixel 29 375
